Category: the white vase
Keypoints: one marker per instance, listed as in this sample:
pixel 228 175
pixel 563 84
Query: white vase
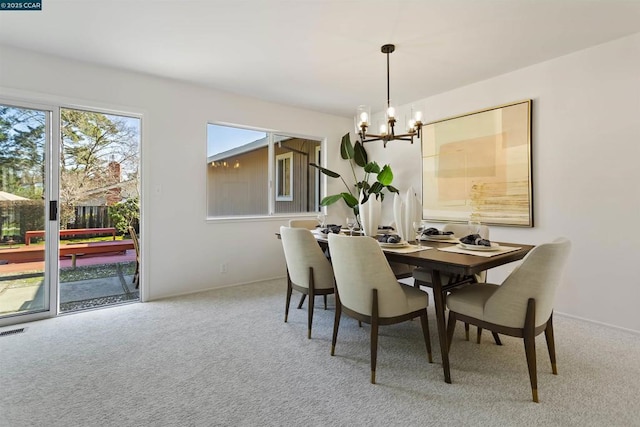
pixel 370 213
pixel 405 212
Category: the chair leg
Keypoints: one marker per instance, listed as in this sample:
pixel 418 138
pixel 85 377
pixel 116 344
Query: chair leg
pixel 288 300
pixel 301 301
pixel 136 275
pixel 479 335
pixel 427 336
pixel 466 331
pixel 325 301
pixel 451 326
pixel 336 323
pixel 548 334
pixel 530 347
pixel 312 297
pixel 374 335
pixel 496 338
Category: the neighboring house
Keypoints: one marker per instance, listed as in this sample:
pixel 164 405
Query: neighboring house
pixel 90 210
pixel 238 179
pixel 112 192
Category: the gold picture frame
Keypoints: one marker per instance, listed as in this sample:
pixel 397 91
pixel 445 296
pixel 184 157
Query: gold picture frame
pixel 477 166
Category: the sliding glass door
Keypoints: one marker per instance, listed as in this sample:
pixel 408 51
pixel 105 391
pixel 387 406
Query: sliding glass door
pixel 69 210
pixel 27 199
pixel 99 209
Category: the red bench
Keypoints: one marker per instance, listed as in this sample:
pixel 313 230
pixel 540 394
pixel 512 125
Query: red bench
pixel 36 253
pixel 71 232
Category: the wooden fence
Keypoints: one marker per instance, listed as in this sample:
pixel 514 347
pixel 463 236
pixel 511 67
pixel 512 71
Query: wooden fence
pixel 18 217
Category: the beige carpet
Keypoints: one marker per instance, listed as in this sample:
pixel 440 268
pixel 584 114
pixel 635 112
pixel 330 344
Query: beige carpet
pixel 225 357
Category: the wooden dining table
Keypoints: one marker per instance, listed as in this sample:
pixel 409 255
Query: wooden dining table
pixel 454 264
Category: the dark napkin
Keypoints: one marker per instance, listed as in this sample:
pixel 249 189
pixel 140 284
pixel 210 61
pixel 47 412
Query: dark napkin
pixel 330 228
pixel 389 238
pixel 386 227
pixel 475 239
pixel 432 231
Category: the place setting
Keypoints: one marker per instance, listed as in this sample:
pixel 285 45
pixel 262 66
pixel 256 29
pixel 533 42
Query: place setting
pixel 474 244
pixel 395 243
pixel 389 240
pixel 432 234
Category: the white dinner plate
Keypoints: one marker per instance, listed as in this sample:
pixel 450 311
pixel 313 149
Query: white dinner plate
pixel 493 247
pixel 402 244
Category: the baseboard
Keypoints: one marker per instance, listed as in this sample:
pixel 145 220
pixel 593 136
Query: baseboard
pixel 230 285
pixel 620 328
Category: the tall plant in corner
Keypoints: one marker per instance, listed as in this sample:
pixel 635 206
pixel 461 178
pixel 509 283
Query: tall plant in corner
pixel 362 190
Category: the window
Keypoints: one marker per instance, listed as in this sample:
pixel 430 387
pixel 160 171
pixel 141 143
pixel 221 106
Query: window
pixel 251 172
pixel 284 178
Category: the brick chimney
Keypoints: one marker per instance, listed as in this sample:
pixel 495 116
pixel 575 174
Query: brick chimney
pixel 113 177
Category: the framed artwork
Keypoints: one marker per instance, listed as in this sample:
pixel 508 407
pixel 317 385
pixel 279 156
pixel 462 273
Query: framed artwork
pixel 477 166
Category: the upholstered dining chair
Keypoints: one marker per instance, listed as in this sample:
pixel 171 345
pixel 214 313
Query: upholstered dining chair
pixel 309 224
pixel 367 290
pixel 521 307
pixel 136 246
pixel 308 270
pixel 422 277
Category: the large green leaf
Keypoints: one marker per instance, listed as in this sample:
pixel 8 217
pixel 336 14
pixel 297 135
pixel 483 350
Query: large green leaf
pixel 327 172
pixel 385 177
pixel 392 189
pixel 376 187
pixel 346 149
pixel 350 200
pixel 363 185
pixel 329 200
pixel 360 154
pixel 372 167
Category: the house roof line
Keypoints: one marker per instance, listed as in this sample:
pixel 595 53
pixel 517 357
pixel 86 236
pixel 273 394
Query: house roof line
pixel 254 145
pixel 251 146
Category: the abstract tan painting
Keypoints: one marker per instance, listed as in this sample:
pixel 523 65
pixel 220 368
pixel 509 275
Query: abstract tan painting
pixel 478 166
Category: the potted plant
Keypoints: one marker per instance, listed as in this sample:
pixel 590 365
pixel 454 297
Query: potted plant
pixel 359 193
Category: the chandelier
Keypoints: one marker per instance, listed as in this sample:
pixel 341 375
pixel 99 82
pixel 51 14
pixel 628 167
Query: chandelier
pixel 387 130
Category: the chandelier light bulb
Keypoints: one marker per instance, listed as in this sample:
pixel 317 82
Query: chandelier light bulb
pixel 364 118
pixel 391 112
pixel 418 116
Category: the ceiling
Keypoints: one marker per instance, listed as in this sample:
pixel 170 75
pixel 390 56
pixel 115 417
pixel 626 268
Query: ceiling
pixel 322 55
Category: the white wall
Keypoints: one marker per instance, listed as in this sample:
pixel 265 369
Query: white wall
pixel 181 252
pixel 586 170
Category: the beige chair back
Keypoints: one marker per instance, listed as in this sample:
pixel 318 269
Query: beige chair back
pixel 537 277
pixel 309 224
pixel 301 251
pixel 359 266
pixel 461 230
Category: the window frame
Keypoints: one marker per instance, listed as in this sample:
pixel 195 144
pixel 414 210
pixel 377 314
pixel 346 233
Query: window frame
pixel 286 158
pixel 271 179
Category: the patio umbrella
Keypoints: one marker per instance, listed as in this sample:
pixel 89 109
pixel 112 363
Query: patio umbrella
pixel 8 197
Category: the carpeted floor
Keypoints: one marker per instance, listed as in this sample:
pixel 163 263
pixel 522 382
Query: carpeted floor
pixel 226 358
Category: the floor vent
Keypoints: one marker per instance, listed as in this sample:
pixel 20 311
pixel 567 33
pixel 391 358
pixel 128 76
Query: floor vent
pixel 11 332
